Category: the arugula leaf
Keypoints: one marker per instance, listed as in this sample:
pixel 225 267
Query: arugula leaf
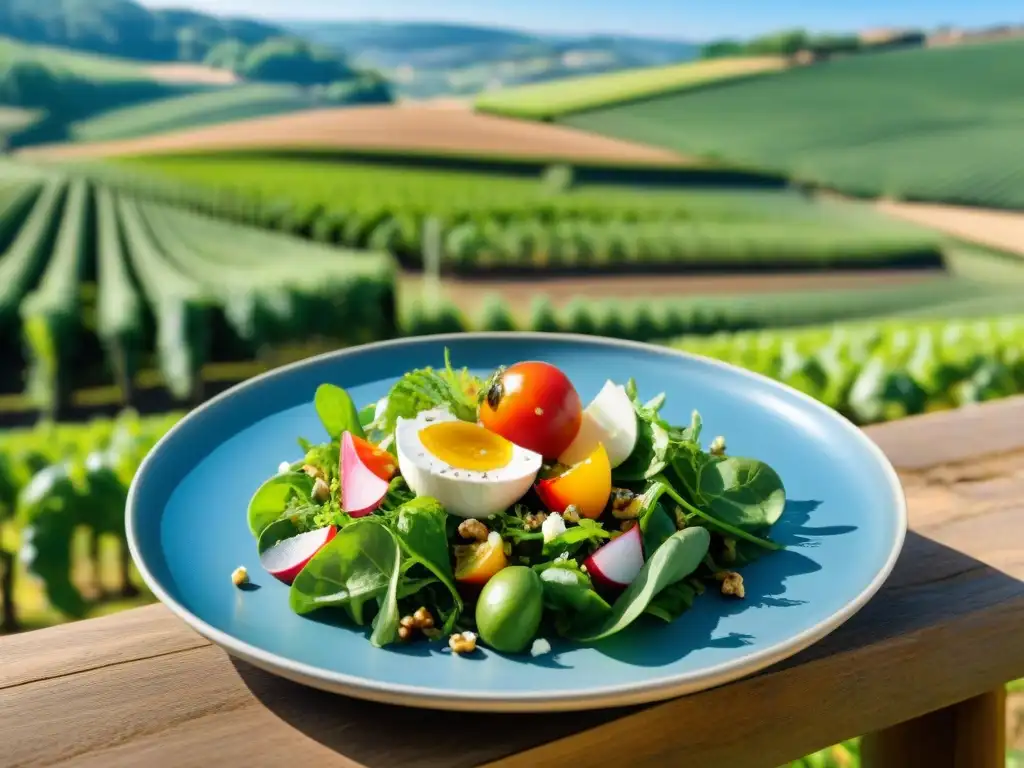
pixel 423 389
pixel 357 565
pixel 337 411
pixel 672 602
pixel 743 492
pixel 421 530
pixel 326 457
pixel 674 560
pixel 586 531
pixel 271 499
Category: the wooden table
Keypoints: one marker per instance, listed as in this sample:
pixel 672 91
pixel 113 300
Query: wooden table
pixel 919 669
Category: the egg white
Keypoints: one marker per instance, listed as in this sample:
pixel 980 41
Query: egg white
pixel 462 492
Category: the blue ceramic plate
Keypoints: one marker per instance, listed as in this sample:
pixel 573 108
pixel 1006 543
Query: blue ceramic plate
pixel 843 527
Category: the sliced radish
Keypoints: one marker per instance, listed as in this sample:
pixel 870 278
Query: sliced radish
pixel 617 563
pixel 361 490
pixel 285 559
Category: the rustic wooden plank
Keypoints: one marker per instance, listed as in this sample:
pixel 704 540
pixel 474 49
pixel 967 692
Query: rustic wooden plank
pixel 951 437
pixel 969 734
pixel 954 603
pixel 71 648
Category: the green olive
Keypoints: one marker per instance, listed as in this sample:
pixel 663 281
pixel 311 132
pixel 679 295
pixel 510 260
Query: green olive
pixel 509 610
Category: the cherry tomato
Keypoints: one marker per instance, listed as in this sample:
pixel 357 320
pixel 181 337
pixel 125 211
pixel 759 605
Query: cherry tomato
pixel 476 563
pixel 533 405
pixel 586 485
pixel 375 459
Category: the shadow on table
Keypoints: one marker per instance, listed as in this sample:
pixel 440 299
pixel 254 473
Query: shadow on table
pixel 932 583
pixel 385 735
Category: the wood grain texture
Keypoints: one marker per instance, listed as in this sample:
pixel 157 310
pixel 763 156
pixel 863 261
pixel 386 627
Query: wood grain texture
pixel 140 688
pixel 970 734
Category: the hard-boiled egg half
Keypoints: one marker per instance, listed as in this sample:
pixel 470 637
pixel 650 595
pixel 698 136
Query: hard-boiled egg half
pixel 609 420
pixel 471 471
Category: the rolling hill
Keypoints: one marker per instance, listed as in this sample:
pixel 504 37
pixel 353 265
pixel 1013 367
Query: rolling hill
pixel 432 59
pixel 559 98
pixel 934 124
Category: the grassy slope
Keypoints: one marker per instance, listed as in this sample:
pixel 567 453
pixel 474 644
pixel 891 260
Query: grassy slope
pixel 192 111
pixel 562 97
pixel 933 124
pixel 86 65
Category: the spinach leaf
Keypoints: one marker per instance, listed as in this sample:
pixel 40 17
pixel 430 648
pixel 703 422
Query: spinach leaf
pixel 657 527
pixel 743 492
pixel 337 411
pixel 421 530
pixel 568 592
pixel 272 498
pixel 672 602
pixel 674 560
pixel 357 565
pixel 385 624
pixel 720 526
pixel 587 531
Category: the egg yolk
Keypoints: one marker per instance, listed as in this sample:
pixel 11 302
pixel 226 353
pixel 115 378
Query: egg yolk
pixel 466 446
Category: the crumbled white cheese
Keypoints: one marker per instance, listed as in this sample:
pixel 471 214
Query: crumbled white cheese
pixel 284 467
pixel 494 539
pixel 553 527
pixel 540 647
pixel 382 406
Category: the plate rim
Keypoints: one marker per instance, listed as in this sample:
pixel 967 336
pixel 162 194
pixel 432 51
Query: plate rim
pixel 622 694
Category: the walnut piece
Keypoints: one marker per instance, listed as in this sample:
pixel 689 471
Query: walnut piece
pixel 462 642
pixel 240 576
pixel 533 521
pixel 473 529
pixel 421 620
pixel 732 583
pixel 625 504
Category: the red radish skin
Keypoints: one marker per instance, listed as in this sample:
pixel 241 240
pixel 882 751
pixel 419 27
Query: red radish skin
pixel 616 564
pixel 285 559
pixel 361 490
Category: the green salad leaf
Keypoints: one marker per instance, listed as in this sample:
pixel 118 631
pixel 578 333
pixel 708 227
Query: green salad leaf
pixel 569 593
pixel 674 560
pixel 337 411
pixel 385 624
pixel 657 527
pixel 585 532
pixel 421 531
pixel 272 498
pixel 743 492
pixel 357 565
pixel 672 602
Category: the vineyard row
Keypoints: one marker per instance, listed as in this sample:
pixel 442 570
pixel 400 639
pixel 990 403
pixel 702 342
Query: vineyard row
pixel 516 224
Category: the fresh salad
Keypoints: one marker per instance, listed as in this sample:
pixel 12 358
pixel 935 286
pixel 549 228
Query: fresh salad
pixel 460 509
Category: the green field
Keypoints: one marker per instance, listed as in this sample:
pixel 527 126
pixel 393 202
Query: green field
pixel 546 101
pixel 62 60
pixel 940 124
pixel 192 111
pixel 534 221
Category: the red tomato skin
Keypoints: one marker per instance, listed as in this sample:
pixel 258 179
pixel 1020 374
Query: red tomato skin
pixel 536 407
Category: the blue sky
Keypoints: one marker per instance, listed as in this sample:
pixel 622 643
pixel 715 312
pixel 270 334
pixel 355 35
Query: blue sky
pixel 680 19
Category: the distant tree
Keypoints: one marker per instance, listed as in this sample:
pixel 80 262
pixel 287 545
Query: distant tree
pixel 228 55
pixel 829 44
pixel 29 84
pixel 290 60
pixel 785 43
pixel 718 49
